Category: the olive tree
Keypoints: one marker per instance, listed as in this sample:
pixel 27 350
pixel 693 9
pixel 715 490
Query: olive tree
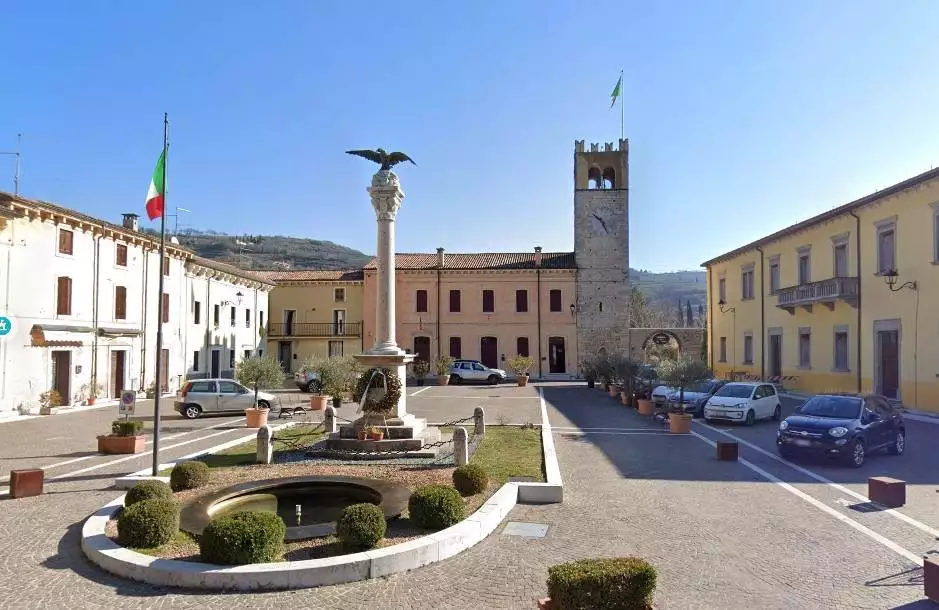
pixel 683 373
pixel 259 372
pixel 626 370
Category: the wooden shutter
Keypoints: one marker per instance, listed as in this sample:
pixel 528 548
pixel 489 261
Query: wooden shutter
pixel 166 308
pixel 489 301
pixel 121 255
pixel 455 300
pixel 522 346
pixel 555 296
pixel 120 303
pixel 456 347
pixel 64 296
pixel 65 241
pixel 521 301
pixel 422 301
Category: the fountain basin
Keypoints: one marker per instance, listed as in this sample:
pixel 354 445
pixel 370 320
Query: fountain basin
pixel 321 500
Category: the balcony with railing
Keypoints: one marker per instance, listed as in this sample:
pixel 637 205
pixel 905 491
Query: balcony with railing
pixel 314 329
pixel 826 292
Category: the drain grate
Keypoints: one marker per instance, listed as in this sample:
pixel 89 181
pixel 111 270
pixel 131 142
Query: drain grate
pixel 527 530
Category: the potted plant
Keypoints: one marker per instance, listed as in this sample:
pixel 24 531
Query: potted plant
pixel 257 372
pixel 125 437
pixel 443 369
pixel 520 365
pixel 589 368
pixel 681 374
pixel 375 433
pixel 49 400
pixel 334 376
pixel 421 367
pixel 91 391
pixel 604 371
pixel 626 371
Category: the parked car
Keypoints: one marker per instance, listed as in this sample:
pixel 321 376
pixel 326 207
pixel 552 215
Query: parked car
pixel 744 401
pixel 846 426
pixel 307 381
pixel 470 370
pixel 660 394
pixel 219 396
pixel 695 397
pixel 644 382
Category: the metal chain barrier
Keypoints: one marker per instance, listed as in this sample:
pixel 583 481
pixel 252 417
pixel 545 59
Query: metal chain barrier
pixel 299 443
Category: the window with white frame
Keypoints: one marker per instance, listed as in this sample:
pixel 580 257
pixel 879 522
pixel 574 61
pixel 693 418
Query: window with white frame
pixel 841 260
pixel 722 289
pixel 335 349
pixel 746 283
pixel 748 348
pixel 886 246
pixel 805 266
pixel 774 275
pixel 805 348
pixel 339 295
pixel 841 349
pixel 723 350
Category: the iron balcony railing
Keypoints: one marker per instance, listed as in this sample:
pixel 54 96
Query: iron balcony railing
pixel 315 329
pixel 825 291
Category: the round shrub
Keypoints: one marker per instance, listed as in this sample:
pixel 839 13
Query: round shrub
pixel 361 526
pixel 241 538
pixel 189 475
pixel 436 507
pixel 148 523
pixel 470 479
pixel 148 490
pixel 619 583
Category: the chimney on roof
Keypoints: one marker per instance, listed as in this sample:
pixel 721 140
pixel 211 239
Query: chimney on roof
pixel 441 259
pixel 130 222
pixel 537 256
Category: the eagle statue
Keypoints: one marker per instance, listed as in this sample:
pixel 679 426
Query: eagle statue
pixel 385 159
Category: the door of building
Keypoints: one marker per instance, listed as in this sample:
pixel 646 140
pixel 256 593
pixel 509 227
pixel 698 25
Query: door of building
pixel 117 372
pixel 556 356
pixel 775 355
pixel 489 351
pixel 888 360
pixel 288 321
pixel 62 374
pixel 339 322
pixel 283 354
pixel 165 370
pixel 422 348
pixel 216 363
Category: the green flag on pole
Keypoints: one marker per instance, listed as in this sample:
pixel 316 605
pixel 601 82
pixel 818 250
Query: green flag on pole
pixel 616 91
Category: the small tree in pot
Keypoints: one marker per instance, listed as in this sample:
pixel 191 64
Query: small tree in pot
pixel 443 369
pixel 626 370
pixel 420 367
pixel 682 373
pixel 258 372
pixel 334 375
pixel 588 366
pixel 520 365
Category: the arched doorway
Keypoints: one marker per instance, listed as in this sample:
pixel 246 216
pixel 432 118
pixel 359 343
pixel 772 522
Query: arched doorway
pixel 660 345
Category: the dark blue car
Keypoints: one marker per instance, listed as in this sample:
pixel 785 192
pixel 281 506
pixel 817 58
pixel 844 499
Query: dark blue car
pixel 846 426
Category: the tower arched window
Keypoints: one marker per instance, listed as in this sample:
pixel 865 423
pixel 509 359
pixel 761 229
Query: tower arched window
pixel 594 178
pixel 609 178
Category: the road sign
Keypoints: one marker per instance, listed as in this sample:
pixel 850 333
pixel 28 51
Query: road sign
pixel 661 338
pixel 128 402
pixel 6 325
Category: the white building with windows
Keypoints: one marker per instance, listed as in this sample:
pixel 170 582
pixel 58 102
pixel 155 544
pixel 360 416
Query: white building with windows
pixel 78 300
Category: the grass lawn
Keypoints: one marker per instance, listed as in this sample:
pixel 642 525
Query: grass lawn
pixel 509 451
pixel 182 546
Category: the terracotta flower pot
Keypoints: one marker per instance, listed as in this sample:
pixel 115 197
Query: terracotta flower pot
pixel 613 391
pixel 645 407
pixel 361 434
pixel 91 400
pixel 257 418
pixel 318 403
pixel 522 380
pixel 376 436
pixel 679 423
pixel 113 444
pixel 443 379
pixel 623 398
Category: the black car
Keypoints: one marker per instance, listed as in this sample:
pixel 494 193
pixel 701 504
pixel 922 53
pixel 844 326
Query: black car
pixel 847 426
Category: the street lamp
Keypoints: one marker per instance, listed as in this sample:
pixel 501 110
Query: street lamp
pixel 733 335
pixel 890 278
pixel 573 310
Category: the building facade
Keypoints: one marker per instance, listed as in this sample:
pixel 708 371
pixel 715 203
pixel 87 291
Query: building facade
pixel 844 301
pixel 81 298
pixel 314 314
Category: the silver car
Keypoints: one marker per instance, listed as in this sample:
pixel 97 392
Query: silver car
pixel 470 370
pixel 219 396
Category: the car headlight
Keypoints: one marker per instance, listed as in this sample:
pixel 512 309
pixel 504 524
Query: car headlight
pixel 838 431
pixel 783 425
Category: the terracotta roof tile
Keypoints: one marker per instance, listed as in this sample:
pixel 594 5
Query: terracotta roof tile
pixel 483 260
pixel 312 275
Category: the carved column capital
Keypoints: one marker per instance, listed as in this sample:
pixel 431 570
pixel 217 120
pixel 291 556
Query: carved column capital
pixel 386 194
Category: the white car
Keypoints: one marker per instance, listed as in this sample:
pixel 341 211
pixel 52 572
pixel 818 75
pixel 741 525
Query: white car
pixel 660 394
pixel 219 396
pixel 471 370
pixel 744 401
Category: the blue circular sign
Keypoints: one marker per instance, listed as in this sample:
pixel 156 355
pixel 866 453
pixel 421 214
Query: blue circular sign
pixel 6 325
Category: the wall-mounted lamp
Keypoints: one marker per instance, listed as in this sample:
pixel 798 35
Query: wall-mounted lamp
pixel 573 310
pixel 238 296
pixel 891 276
pixel 724 308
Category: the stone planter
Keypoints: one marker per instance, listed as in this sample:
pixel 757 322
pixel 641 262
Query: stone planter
pixel 443 379
pixel 645 407
pixel 318 403
pixel 679 423
pixel 113 444
pixel 522 380
pixel 257 418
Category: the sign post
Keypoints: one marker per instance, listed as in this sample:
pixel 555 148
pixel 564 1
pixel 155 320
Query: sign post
pixel 661 338
pixel 128 403
pixel 6 325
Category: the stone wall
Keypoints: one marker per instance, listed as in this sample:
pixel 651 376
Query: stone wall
pixel 690 340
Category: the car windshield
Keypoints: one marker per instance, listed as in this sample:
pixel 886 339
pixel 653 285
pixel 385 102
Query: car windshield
pixel 841 407
pixel 733 390
pixel 701 388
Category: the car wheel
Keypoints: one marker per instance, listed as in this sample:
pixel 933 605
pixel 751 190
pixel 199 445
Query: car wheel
pixel 192 411
pixel 456 379
pixel 751 417
pixel 493 379
pixel 313 387
pixel 856 455
pixel 898 446
pixel 784 452
pixel 777 413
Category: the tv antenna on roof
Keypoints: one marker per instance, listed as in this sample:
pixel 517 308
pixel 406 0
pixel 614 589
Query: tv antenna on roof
pixel 16 172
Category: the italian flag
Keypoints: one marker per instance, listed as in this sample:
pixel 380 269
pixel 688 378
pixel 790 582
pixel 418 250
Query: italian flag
pixel 156 191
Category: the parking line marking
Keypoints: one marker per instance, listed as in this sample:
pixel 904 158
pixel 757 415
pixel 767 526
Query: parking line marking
pixel 419 391
pixel 600 428
pixel 890 544
pixel 902 517
pixel 634 433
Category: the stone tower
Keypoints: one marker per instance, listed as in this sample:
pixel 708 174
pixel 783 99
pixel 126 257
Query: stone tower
pixel 601 246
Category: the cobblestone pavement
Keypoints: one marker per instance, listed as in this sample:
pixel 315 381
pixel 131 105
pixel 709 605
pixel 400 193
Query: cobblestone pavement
pixel 720 534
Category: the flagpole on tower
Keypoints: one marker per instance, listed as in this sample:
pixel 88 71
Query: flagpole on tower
pixel 159 334
pixel 622 111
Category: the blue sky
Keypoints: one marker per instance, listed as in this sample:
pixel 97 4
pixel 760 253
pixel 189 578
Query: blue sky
pixel 743 117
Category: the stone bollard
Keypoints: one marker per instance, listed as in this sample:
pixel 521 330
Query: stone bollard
pixel 479 421
pixel 460 448
pixel 265 445
pixel 329 420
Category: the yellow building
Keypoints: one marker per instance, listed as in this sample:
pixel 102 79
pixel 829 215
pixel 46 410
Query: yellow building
pixel 314 313
pixel 845 301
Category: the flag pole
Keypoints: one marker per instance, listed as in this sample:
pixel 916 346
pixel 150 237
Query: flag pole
pixel 159 335
pixel 622 110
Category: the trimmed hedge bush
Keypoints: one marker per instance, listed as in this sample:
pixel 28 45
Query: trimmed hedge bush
pixel 361 526
pixel 189 475
pixel 620 583
pixel 148 490
pixel 470 480
pixel 148 523
pixel 436 507
pixel 241 538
